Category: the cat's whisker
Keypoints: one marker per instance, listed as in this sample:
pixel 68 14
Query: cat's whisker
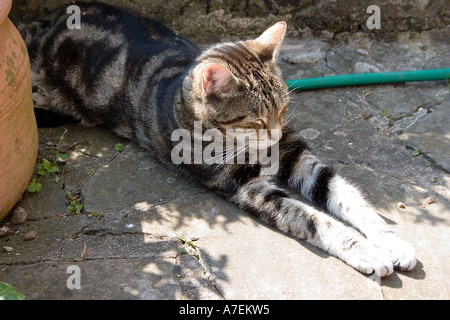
pixel 228 153
pixel 291 114
pixel 289 92
pixel 236 151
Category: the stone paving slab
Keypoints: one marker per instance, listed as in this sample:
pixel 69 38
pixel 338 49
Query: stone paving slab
pixel 127 241
pixel 431 135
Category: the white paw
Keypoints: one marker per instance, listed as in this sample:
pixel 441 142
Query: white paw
pixel 368 259
pixel 40 101
pixel 401 252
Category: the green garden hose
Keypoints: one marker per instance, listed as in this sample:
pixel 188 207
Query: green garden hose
pixel 368 78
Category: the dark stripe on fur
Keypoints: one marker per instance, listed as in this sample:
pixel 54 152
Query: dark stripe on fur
pixel 230 62
pixel 244 173
pixel 291 147
pixel 311 227
pixel 263 213
pixel 276 197
pixel 320 190
pixel 233 120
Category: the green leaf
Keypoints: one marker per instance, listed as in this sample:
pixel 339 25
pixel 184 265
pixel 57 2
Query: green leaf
pixel 182 250
pixel 415 152
pixel 46 164
pixel 119 147
pixel 7 292
pixel 34 186
pixel 53 169
pixel 41 170
pixel 60 156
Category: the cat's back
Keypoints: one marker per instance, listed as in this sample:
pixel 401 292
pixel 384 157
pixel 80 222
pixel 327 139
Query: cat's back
pixel 113 69
pixel 104 26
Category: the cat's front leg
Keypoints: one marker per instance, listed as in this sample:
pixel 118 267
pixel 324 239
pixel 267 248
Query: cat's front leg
pixel 317 182
pixel 347 203
pixel 273 205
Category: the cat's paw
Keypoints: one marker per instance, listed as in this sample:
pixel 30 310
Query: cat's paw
pixel 401 252
pixel 41 102
pixel 368 259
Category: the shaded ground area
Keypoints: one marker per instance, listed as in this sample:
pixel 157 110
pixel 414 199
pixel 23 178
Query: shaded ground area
pixel 145 232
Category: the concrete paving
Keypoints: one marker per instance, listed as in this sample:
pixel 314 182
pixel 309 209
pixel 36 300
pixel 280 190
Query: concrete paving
pixel 146 232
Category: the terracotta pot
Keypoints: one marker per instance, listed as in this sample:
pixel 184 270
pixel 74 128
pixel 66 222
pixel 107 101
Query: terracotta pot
pixel 18 130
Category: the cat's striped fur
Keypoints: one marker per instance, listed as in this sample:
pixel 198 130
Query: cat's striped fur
pixel 144 81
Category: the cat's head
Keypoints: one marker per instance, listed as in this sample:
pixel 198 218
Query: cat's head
pixel 241 86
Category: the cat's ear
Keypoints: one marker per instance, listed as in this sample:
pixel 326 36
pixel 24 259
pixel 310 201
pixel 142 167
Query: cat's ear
pixel 268 44
pixel 218 80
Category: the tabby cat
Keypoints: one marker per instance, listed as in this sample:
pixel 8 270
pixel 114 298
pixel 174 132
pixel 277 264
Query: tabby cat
pixel 145 82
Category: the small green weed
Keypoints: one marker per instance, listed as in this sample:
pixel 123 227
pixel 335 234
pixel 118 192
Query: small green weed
pixel 74 205
pixel 189 246
pixel 45 169
pixel 34 186
pixel 95 214
pixel 48 168
pixel 119 147
pixel 60 157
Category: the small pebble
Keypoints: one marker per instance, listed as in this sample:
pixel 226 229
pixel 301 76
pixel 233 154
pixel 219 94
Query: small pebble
pixel 429 200
pixel 30 235
pixel 8 249
pixel 4 231
pixel 19 216
pixel 309 134
pixel 170 180
pixel 362 52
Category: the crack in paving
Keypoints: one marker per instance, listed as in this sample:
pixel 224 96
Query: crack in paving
pixel 195 250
